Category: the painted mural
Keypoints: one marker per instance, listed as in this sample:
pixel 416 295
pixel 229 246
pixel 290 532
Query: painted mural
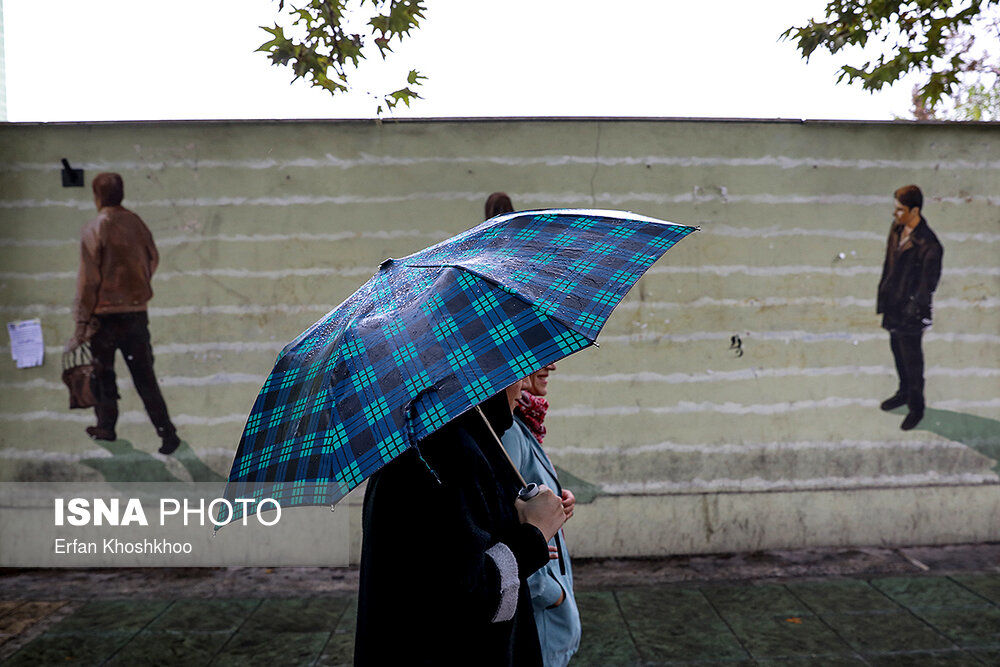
pixel 734 400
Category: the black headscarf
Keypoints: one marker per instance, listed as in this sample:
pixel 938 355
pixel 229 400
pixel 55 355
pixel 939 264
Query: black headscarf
pixel 435 448
pixel 498 203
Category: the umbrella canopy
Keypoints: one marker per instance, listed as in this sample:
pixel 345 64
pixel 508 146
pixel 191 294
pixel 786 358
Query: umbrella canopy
pixel 431 335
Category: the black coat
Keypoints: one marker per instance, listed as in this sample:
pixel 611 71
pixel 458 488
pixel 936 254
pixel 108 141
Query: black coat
pixel 909 278
pixel 429 592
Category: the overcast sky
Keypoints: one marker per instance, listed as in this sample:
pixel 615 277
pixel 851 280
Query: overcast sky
pixel 71 60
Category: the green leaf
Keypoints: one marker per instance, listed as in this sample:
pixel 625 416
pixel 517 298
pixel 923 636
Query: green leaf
pixel 278 38
pixel 328 57
pixel 931 38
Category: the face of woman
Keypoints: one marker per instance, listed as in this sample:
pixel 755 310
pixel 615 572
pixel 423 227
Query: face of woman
pixel 538 382
pixel 514 393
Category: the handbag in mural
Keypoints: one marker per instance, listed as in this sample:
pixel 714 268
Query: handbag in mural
pixel 79 376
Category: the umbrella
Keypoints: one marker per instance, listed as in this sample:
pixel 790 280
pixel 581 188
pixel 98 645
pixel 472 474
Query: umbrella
pixel 431 335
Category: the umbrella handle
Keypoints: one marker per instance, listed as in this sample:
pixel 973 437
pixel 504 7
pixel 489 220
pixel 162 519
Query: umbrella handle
pixel 529 492
pixel 409 414
pixel 500 445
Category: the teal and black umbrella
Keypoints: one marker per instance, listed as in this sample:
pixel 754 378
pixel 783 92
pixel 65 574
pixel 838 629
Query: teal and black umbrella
pixel 431 335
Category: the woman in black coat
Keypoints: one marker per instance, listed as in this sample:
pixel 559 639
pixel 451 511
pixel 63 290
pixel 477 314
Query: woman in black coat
pixel 446 552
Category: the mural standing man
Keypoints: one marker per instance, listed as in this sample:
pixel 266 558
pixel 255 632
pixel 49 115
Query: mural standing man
pixel 910 275
pixel 117 261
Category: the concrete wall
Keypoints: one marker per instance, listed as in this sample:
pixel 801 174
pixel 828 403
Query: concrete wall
pixel 677 441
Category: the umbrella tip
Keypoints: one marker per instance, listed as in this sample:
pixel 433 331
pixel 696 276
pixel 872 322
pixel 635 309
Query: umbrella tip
pixel 385 263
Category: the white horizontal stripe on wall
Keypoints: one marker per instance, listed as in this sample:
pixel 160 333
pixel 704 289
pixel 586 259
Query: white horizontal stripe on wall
pixel 683 407
pixel 558 378
pixel 250 238
pixel 346 272
pixel 764 198
pixel 731 408
pixel 756 447
pixel 772 301
pixel 759 484
pixel 45 275
pixel 776 231
pixel 219 346
pixel 794 337
pixel 213 347
pixel 130 417
pixel 11 454
pixel 186 310
pixel 376 235
pixel 368 160
pixel 764 373
pixel 702 302
pixel 801 269
pixel 212 273
pixel 359 271
pixel 165 381
pixel 659 448
pixel 240 310
pixel 541 198
pixel 440 235
pixel 8 242
pixel 295 200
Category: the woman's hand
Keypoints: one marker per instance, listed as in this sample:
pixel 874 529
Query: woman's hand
pixel 568 503
pixel 562 598
pixel 544 511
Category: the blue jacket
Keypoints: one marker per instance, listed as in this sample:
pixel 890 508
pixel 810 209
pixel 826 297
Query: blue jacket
pixel 559 628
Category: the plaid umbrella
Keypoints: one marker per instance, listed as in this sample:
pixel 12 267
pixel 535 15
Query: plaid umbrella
pixel 431 335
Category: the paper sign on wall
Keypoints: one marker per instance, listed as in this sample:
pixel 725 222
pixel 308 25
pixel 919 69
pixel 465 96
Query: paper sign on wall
pixel 26 344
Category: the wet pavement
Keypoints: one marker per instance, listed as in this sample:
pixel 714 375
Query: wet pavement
pixel 928 605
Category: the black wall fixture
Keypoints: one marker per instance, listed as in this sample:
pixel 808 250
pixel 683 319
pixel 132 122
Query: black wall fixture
pixel 72 178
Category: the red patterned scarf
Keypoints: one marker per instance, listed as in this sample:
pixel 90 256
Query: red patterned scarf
pixel 531 409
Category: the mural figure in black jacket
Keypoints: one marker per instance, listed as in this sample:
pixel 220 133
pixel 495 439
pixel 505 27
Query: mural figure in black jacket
pixel 910 275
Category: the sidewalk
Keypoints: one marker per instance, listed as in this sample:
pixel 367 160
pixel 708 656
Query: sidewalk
pixel 823 607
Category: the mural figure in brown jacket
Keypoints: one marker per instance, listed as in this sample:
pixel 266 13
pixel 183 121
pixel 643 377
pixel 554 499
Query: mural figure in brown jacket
pixel 117 261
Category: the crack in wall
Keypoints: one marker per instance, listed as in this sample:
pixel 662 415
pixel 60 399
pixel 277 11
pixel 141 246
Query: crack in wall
pixel 597 166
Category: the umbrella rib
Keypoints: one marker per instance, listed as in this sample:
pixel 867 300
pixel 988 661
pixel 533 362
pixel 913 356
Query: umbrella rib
pixel 494 281
pixel 513 467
